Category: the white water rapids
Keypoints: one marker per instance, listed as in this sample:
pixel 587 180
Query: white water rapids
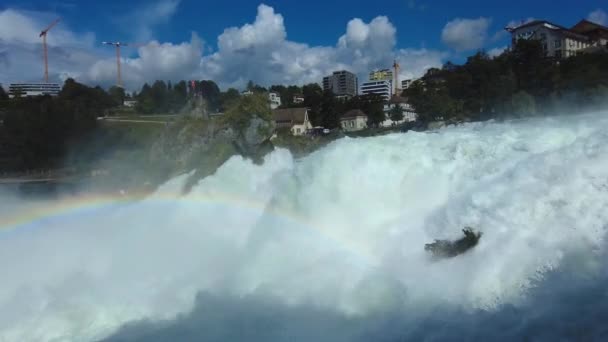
pixel 342 231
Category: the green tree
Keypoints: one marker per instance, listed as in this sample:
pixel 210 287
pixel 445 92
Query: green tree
pixel 41 130
pixel 396 113
pixel 145 100
pixel 3 94
pixel 118 95
pixel 241 111
pixel 329 117
pixel 228 98
pixel 160 97
pixel 313 96
pixel 211 93
pixel 179 95
pixel 373 106
pixel 256 88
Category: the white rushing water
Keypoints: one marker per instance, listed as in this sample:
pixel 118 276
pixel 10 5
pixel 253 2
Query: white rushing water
pixel 342 230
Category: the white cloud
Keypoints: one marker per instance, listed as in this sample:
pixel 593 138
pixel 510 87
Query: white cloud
pixel 496 51
pixel 466 34
pixel 258 51
pixel 261 52
pixel 144 19
pixel 70 53
pixel 516 23
pixel 164 61
pixel 598 16
pixel 25 27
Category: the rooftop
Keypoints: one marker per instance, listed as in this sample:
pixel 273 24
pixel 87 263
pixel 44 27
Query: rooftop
pixel 353 113
pixel 293 115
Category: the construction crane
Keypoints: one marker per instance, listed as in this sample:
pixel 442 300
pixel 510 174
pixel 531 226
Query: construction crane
pixel 46 56
pixel 118 45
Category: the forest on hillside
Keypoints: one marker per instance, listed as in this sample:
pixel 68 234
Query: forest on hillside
pixel 522 81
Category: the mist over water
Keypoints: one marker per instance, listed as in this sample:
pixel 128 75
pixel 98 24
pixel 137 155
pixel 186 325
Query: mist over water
pixel 331 247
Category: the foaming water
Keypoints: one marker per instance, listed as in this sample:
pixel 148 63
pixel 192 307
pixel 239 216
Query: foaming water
pixel 342 230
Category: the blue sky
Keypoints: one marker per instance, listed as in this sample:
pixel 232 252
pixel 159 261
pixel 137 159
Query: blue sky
pixel 429 30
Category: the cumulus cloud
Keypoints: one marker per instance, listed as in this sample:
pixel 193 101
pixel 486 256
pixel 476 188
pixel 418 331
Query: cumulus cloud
pixel 497 51
pixel 466 34
pixel 25 27
pixel 70 53
pixel 258 51
pixel 599 16
pixel 142 21
pixel 155 61
pixel 516 23
pixel 261 52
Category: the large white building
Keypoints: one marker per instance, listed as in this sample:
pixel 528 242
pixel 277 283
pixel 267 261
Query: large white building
pixel 383 88
pixel 33 89
pixel 557 41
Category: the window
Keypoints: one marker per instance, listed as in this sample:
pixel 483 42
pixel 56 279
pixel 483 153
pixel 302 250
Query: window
pixel 558 43
pixel 558 54
pixel 543 36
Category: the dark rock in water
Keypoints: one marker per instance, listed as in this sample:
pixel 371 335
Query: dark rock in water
pixel 254 141
pixel 444 249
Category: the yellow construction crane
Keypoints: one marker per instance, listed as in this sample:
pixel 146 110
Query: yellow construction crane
pixel 46 56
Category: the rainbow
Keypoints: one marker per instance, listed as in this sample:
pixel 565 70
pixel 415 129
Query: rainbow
pixel 35 214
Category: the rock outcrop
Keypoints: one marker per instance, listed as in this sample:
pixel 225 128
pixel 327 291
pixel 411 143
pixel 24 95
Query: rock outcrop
pixel 443 249
pixel 204 145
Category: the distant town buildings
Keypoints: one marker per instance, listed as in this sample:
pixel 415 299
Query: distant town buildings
pixel 130 103
pixel 295 120
pixel 560 42
pixel 405 84
pixel 409 114
pixel 383 75
pixel 383 88
pixel 342 83
pixel 275 100
pixel 33 89
pixel 298 98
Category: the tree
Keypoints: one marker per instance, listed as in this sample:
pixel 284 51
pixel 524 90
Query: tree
pixel 246 107
pixel 313 96
pixel 329 117
pixel 145 100
pixel 228 98
pixel 373 106
pixel 159 97
pixel 180 95
pixel 118 95
pixel 256 88
pixel 211 93
pixel 396 113
pixel 3 94
pixel 41 130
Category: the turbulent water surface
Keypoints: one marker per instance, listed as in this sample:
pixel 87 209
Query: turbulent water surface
pixel 331 247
